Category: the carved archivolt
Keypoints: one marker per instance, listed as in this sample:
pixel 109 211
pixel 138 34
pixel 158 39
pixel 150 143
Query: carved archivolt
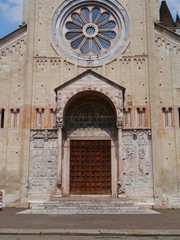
pixel 114 94
pixel 87 113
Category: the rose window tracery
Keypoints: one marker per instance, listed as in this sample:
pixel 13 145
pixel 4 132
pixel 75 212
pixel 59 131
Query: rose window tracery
pixel 91 30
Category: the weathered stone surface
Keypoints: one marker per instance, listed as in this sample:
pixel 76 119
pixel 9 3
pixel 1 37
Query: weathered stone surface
pixel 140 89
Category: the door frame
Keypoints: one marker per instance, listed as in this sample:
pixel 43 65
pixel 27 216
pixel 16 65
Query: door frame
pixel 66 165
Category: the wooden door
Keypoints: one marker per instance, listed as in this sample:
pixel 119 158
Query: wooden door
pixel 90 167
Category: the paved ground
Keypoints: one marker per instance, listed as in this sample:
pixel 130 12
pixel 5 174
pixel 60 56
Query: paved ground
pixel 168 219
pixel 164 226
pixel 84 238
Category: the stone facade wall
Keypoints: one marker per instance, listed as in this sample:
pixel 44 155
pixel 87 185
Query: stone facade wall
pixel 167 86
pixel 12 70
pixel 30 70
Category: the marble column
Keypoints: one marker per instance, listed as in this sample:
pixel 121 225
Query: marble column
pixel 121 189
pixel 59 171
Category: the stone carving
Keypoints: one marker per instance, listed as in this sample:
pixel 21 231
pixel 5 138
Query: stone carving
pixel 59 122
pixel 59 119
pixel 118 95
pixel 59 100
pixel 142 139
pixel 85 83
pixel 43 161
pixel 137 165
pixel 89 79
pixel 127 138
pixel 119 122
pixel 38 143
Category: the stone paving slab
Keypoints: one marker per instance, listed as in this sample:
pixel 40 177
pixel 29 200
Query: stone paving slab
pixel 165 223
pixel 52 237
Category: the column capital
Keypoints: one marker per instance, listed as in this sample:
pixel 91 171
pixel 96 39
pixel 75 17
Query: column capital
pixel 119 122
pixel 59 122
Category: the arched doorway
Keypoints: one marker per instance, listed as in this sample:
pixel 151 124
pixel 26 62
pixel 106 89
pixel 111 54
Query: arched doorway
pixel 90 144
pixel 89 108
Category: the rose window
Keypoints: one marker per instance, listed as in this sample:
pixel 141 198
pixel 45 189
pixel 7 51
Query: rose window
pixel 91 30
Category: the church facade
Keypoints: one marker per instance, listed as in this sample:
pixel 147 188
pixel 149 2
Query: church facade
pixel 90 103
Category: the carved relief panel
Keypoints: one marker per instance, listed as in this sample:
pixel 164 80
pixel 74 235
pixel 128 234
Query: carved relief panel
pixel 43 161
pixel 137 163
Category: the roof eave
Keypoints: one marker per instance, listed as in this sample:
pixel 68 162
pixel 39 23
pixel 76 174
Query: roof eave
pixel 13 34
pixel 166 30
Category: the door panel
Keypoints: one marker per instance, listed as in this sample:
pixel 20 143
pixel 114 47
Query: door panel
pixel 90 167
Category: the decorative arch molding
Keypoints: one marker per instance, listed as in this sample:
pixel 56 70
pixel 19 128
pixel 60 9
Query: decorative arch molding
pixel 10 48
pixel 91 88
pixel 90 81
pixel 168 44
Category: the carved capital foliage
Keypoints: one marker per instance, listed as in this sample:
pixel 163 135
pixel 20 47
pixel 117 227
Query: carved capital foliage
pixel 59 122
pixel 119 122
pixel 119 111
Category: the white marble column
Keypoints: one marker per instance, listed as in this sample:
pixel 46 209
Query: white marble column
pixel 59 171
pixel 121 189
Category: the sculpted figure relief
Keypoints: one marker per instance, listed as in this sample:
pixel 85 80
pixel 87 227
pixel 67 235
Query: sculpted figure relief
pixel 43 162
pixel 137 165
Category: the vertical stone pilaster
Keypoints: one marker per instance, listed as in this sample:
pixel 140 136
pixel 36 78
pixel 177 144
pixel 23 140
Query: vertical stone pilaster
pixel 27 99
pixel 153 70
pixel 59 174
pixel 59 122
pixel 121 189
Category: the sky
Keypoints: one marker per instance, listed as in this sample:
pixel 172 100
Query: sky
pixel 11 14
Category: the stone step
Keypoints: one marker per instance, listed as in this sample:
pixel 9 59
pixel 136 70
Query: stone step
pixel 83 205
pixel 92 206
pixel 89 212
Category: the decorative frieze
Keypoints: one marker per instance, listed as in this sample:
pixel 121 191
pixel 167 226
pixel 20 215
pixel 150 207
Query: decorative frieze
pixel 14 46
pixel 167 44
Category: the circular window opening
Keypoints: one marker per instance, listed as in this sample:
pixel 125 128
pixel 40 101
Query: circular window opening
pixel 90 32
